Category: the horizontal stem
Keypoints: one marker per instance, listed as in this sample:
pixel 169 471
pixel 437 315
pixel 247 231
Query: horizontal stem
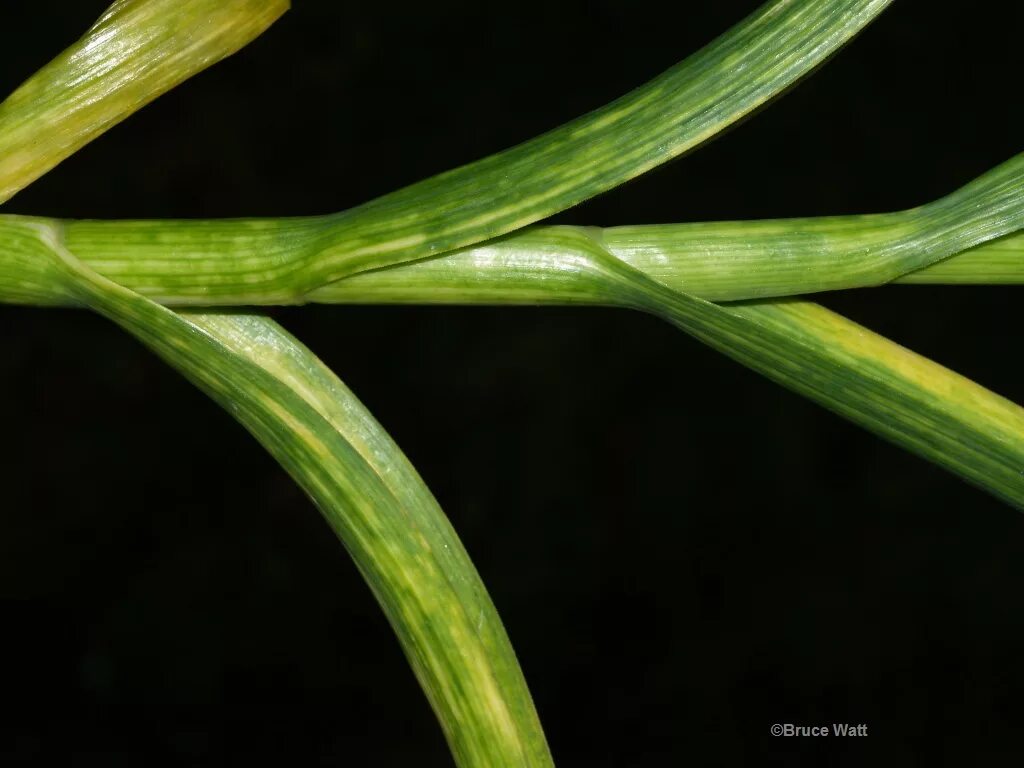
pixel 966 237
pixel 536 266
pixel 880 385
pixel 539 267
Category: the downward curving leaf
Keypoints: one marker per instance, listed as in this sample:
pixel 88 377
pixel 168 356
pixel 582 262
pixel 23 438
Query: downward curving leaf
pixel 372 497
pixel 860 375
pixel 309 421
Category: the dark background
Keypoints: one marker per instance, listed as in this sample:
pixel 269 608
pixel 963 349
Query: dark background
pixel 683 552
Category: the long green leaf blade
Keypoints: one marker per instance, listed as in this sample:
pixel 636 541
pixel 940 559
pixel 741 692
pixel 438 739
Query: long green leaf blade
pixel 888 389
pixel 739 71
pixel 862 376
pixel 390 523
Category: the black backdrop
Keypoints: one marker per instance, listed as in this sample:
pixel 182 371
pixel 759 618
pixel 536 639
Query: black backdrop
pixel 683 552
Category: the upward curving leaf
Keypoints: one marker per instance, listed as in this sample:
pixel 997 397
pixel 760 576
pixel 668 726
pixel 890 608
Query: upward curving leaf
pixel 280 261
pixel 691 102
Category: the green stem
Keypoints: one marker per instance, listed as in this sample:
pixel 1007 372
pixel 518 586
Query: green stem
pixel 968 236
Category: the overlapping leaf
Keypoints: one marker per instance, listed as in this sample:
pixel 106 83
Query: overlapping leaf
pixel 310 422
